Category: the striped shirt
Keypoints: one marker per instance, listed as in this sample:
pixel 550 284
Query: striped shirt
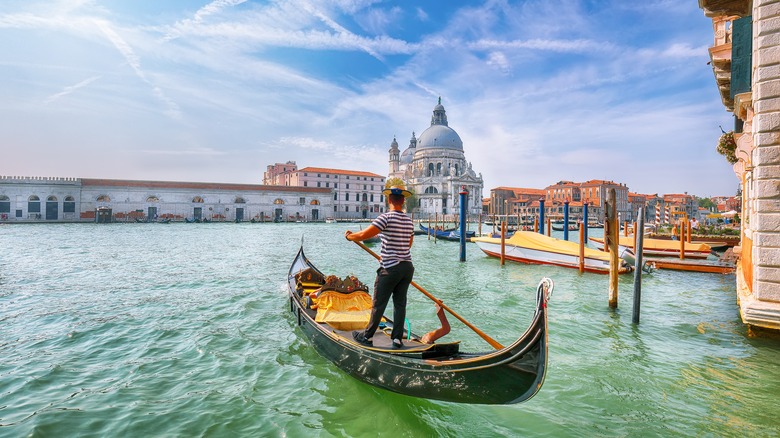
pixel 397 230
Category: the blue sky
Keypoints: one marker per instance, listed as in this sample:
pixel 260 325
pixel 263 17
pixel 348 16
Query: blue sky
pixel 539 91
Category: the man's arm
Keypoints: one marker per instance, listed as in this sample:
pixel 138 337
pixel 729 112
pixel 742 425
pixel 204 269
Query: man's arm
pixel 361 235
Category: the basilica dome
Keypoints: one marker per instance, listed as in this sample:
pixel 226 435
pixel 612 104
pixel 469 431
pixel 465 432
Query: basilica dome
pixel 440 136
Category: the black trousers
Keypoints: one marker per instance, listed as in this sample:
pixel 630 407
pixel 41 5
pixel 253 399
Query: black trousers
pixel 391 282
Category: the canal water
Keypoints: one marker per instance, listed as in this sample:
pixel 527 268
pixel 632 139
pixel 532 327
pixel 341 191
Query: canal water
pixel 184 330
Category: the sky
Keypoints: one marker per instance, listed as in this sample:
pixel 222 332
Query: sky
pixel 540 91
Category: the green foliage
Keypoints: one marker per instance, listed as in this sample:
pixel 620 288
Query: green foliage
pixel 706 203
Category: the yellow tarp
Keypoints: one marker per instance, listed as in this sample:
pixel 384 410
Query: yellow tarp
pixel 343 311
pixel 660 244
pixel 541 242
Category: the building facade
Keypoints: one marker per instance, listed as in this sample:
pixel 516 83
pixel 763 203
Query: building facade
pixel 35 199
pixel 354 194
pixel 745 58
pixel 434 167
pixel 279 174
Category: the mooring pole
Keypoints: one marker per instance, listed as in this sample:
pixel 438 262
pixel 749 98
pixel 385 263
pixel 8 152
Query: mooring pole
pixel 585 220
pixel 566 220
pixel 582 247
pixel 503 242
pixel 541 216
pixel 611 231
pixel 638 247
pixel 463 200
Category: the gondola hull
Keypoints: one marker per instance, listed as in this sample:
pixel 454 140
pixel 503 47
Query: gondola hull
pixel 510 375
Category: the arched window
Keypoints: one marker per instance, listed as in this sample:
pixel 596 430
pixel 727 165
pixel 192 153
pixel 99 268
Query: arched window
pixel 365 197
pixel 239 200
pixel 34 198
pixel 346 196
pixel 438 168
pixel 430 169
pixel 152 199
pixel 69 199
pixel 51 199
pixel 314 202
pixel 197 200
pixel 278 201
pixel 431 189
pixel 33 204
pixel 103 198
pixel 5 205
pixel 456 169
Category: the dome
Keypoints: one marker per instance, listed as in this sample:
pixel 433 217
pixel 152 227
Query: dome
pixel 407 155
pixel 440 136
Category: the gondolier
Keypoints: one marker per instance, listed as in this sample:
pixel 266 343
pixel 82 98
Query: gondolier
pixel 395 267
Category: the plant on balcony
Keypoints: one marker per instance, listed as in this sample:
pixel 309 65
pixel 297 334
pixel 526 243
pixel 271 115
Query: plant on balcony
pixel 727 146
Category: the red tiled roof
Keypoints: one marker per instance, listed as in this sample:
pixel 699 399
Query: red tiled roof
pixel 339 171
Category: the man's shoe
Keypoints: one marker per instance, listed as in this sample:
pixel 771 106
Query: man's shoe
pixel 360 338
pixel 397 343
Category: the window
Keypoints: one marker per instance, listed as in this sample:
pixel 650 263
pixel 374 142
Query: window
pixel 152 199
pixel 438 169
pixel 347 185
pixel 327 184
pixel 365 197
pixel 335 196
pixel 301 201
pixel 430 169
pixel 319 176
pixel 431 189
pixel 197 200
pixel 278 201
pixel 103 198
pixel 305 174
pixel 346 208
pixel 5 204
pixel 314 202
pixel 372 197
pixel 346 196
pixel 51 199
pixel 239 200
pixel 69 205
pixel 306 184
pixel 364 186
pixel 33 204
pixel 335 185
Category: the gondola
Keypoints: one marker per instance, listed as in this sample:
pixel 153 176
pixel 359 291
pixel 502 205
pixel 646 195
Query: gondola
pixel 450 234
pixel 438 371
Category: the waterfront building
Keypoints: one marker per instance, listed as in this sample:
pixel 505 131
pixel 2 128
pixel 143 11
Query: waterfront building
pixel 355 194
pixel 744 59
pixel 279 174
pixel 434 167
pixel 46 199
pixel 515 201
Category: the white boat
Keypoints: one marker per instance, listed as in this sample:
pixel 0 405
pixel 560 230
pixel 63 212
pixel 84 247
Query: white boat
pixel 534 248
pixel 330 220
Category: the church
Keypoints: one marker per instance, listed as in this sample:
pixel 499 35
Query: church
pixel 434 167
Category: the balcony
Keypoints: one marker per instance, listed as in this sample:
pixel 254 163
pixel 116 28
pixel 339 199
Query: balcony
pixel 715 8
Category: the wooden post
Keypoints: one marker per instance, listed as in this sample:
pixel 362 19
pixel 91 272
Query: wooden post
pixel 549 226
pixel 611 232
pixel 429 226
pixel 582 248
pixel 479 225
pixel 688 230
pixel 503 242
pixel 638 247
pixel 625 228
pixel 682 240
pixel 536 223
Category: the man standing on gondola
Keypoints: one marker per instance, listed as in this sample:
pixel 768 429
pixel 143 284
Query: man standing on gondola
pixel 395 266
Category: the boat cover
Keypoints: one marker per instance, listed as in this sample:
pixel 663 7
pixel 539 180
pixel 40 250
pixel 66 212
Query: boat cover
pixel 541 242
pixel 659 244
pixel 343 311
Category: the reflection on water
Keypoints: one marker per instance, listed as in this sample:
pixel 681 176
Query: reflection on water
pixel 184 329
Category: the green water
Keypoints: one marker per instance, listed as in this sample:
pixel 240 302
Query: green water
pixel 184 330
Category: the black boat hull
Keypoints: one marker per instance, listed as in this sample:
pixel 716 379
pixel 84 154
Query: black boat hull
pixel 510 375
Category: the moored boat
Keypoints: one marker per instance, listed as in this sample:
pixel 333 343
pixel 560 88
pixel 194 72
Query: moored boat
pixel 660 248
pixel 439 371
pixel 450 234
pixel 534 248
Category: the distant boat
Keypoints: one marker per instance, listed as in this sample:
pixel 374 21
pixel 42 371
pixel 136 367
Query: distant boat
pixel 330 220
pixel 572 227
pixel 450 234
pixel 538 249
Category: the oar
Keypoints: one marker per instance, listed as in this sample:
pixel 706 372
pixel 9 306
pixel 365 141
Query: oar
pixel 482 334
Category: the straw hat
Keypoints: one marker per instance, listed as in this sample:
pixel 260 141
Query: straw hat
pixel 397 190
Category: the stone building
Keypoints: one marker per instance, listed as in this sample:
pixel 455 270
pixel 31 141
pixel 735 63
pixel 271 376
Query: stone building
pixel 279 174
pixel 25 199
pixel 745 59
pixel 355 194
pixel 434 167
